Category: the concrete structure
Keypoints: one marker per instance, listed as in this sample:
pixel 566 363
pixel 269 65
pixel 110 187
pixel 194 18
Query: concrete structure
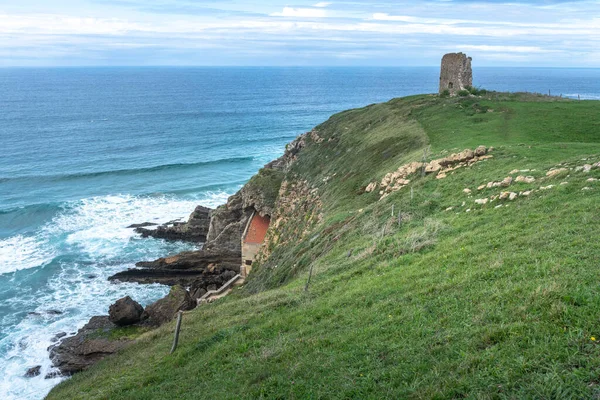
pixel 456 73
pixel 252 239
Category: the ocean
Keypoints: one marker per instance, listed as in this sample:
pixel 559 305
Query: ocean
pixel 85 152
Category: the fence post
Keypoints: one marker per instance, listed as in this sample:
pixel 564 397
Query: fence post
pixel 177 327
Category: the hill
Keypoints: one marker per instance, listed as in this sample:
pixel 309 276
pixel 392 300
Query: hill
pixel 433 285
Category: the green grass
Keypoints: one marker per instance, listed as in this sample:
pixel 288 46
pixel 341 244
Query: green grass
pixel 487 304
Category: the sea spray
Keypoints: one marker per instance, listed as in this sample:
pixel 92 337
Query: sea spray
pixel 54 279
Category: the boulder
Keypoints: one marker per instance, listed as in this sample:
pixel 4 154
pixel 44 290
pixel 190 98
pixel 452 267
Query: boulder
pixel 125 312
pixel 166 308
pixel 554 172
pixel 525 179
pixel 88 346
pixel 33 371
pixel 480 151
pixel 194 230
pixel 506 182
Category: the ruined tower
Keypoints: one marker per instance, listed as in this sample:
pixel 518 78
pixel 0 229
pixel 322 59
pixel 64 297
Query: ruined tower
pixel 456 73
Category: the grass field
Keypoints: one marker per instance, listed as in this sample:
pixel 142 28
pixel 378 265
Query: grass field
pixel 493 303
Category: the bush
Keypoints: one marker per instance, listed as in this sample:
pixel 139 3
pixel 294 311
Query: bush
pixel 445 93
pixel 463 93
pixel 476 91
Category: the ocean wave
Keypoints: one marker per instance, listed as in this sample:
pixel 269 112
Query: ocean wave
pixel 582 96
pixel 24 252
pixel 130 171
pixel 97 225
pixel 79 248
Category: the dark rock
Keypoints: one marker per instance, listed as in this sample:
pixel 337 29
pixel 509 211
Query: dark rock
pixel 52 375
pixel 91 276
pixel 90 345
pixel 166 308
pixel 199 292
pixel 33 371
pixel 284 162
pixel 211 287
pixel 142 225
pixel 194 230
pixel 182 269
pixel 33 313
pixel 53 312
pixel 125 312
pixel 58 336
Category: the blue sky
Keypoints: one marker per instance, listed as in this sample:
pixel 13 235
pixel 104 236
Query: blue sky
pixel 298 33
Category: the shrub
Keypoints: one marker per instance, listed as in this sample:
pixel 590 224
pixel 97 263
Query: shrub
pixel 463 93
pixel 445 93
pixel 476 91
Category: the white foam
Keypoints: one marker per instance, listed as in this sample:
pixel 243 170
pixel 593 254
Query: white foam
pixel 23 252
pixel 583 96
pixel 88 241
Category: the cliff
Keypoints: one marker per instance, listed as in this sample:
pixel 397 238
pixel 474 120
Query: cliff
pixel 402 261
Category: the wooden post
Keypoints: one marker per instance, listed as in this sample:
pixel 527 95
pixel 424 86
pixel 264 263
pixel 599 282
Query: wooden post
pixel 177 328
pixel 309 276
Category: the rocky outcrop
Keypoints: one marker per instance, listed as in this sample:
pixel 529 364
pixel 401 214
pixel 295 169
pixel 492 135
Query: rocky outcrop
pixel 292 149
pixel 166 308
pixel 396 180
pixel 33 371
pixel 194 230
pixel 227 224
pixel 198 270
pixel 90 345
pixel 125 312
pixel 456 73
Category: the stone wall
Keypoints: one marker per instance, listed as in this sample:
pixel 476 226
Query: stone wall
pixel 456 73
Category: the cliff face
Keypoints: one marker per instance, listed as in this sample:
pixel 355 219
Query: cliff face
pixel 227 222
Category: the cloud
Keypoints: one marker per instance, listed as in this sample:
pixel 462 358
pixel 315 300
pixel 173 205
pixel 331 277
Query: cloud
pixel 301 12
pixel 322 4
pixel 506 49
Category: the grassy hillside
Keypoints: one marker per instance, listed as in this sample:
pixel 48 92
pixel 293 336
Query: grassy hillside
pixel 437 304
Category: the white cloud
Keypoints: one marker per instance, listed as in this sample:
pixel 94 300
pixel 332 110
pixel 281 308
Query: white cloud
pixel 301 13
pixel 506 49
pixel 322 4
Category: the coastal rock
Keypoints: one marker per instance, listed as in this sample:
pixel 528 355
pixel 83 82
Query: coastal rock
pixel 90 345
pixel 284 162
pixel 33 371
pixel 125 311
pixel 165 309
pixel 187 268
pixel 142 225
pixel 194 230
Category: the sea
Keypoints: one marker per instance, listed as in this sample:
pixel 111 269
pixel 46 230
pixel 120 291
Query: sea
pixel 85 152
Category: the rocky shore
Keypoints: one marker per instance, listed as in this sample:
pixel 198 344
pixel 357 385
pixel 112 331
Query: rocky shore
pixel 190 274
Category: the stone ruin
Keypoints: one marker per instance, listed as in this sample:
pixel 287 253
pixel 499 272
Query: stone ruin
pixel 456 73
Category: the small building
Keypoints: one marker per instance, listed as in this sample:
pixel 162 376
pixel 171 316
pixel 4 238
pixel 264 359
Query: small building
pixel 456 73
pixel 252 240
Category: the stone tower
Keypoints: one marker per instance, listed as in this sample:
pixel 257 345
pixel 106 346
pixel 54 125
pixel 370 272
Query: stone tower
pixel 456 73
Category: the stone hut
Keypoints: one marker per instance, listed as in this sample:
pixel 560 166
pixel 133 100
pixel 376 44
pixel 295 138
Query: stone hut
pixel 456 73
pixel 252 240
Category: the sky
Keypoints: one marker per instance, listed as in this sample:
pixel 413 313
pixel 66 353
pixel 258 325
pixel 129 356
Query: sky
pixel 546 33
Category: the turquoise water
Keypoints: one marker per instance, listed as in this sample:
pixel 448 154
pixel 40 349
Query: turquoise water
pixel 88 151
